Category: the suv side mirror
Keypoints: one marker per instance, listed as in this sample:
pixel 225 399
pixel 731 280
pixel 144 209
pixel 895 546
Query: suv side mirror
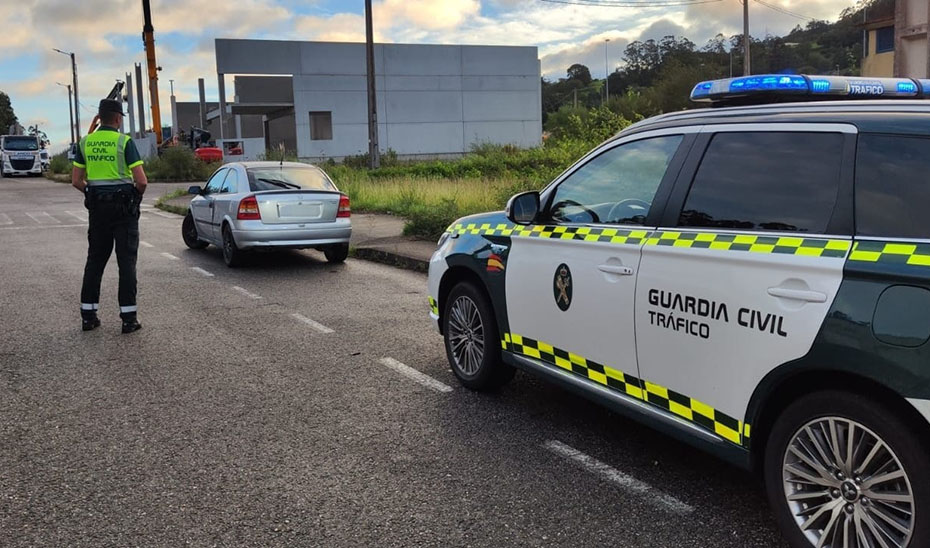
pixel 196 190
pixel 523 208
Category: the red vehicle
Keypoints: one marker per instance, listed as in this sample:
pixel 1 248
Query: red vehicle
pixel 209 154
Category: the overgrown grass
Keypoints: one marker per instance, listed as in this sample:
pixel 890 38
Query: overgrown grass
pixel 59 164
pixel 178 164
pixel 431 195
pixel 162 203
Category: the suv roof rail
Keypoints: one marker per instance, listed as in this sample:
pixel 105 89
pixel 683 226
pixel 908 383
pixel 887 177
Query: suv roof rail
pixel 775 88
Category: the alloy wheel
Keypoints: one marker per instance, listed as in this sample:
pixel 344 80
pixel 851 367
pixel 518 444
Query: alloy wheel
pixel 466 336
pixel 845 487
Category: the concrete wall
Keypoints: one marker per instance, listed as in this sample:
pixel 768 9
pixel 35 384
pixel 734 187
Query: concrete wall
pixel 912 50
pixel 432 100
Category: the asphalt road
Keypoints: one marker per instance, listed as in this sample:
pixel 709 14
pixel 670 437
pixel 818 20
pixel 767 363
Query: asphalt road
pixel 235 419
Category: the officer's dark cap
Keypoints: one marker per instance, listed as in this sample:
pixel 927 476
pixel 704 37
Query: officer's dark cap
pixel 109 105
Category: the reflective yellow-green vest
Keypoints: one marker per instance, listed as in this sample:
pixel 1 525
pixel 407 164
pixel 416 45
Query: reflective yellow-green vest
pixel 104 154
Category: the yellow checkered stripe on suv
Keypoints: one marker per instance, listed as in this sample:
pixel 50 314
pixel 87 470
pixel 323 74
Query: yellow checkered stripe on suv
pixel 891 253
pixel 691 409
pixel 433 306
pixel 786 245
pixel 557 232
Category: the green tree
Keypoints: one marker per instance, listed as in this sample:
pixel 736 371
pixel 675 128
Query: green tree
pixel 579 72
pixel 7 116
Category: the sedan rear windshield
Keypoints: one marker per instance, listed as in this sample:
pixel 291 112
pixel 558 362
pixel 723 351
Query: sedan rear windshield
pixel 288 178
pixel 20 143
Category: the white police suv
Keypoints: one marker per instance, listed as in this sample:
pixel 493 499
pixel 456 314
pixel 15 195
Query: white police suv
pixel 752 279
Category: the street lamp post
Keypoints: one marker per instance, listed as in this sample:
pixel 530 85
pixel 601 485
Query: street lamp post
pixel 77 111
pixel 606 71
pixel 70 109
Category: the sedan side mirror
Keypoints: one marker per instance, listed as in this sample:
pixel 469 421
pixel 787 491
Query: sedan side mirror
pixel 523 208
pixel 196 190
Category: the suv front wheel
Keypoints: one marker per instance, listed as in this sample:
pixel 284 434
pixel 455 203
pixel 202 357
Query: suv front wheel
pixel 472 340
pixel 842 470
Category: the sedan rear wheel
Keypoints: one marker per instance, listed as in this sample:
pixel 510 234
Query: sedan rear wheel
pixel 843 471
pixel 232 255
pixel 336 253
pixel 472 339
pixel 189 233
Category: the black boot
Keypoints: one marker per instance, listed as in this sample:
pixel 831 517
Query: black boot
pixel 89 324
pixel 131 325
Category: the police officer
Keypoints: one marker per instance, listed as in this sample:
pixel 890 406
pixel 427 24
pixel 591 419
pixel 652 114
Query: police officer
pixel 108 170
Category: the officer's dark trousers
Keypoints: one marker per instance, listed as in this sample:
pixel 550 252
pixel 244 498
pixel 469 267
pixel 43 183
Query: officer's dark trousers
pixel 113 218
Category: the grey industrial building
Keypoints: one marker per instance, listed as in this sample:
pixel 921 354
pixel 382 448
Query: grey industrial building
pixel 432 100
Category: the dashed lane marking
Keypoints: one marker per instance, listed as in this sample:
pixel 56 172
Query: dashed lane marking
pixel 415 375
pixel 43 218
pixel 170 256
pixel 165 215
pixel 145 244
pixel 199 270
pixel 79 215
pixel 618 478
pixel 315 325
pixel 246 292
pixel 5 219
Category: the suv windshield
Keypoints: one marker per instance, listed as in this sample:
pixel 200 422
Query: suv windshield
pixel 288 177
pixel 20 143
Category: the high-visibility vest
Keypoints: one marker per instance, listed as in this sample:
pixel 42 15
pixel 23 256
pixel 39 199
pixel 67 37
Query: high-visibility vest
pixel 104 154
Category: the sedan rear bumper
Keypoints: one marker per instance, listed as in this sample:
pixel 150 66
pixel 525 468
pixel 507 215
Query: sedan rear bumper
pixel 255 234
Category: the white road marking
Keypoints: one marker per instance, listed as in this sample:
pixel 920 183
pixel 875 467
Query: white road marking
pixel 625 482
pixel 165 215
pixel 170 256
pixel 199 270
pixel 33 227
pixel 42 218
pixel 79 215
pixel 5 219
pixel 145 244
pixel 315 325
pixel 415 375
pixel 246 292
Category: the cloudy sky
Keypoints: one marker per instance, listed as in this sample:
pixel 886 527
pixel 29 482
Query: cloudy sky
pixel 106 37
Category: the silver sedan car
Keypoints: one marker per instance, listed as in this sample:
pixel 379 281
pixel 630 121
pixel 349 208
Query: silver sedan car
pixel 250 206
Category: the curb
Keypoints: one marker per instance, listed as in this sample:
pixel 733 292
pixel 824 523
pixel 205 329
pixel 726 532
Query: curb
pixel 391 259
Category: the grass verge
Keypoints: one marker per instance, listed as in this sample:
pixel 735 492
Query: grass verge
pixel 164 205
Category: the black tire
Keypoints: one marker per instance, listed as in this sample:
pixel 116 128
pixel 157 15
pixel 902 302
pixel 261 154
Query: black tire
pixel 483 370
pixel 232 255
pixel 849 493
pixel 336 253
pixel 189 233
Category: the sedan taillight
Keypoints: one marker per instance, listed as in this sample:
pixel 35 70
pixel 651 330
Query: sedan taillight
pixel 344 209
pixel 248 209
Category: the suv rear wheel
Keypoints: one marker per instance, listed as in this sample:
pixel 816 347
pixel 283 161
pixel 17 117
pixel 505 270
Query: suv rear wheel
pixel 842 470
pixel 472 339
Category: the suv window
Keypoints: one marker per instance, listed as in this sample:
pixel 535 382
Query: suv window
pixel 617 186
pixel 782 181
pixel 216 182
pixel 892 187
pixel 231 182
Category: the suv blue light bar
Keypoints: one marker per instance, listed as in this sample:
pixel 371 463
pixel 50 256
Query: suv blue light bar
pixel 786 85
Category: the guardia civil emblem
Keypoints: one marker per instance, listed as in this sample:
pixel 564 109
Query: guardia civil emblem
pixel 562 287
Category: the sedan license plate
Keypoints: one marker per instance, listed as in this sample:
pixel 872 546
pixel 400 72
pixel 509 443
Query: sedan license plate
pixel 310 210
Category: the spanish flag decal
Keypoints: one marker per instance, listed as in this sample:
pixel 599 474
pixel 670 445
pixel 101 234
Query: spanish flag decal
pixel 495 263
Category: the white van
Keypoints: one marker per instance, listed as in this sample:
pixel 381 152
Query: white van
pixel 20 155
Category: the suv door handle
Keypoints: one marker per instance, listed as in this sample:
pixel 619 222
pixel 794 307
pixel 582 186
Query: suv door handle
pixel 615 269
pixel 798 295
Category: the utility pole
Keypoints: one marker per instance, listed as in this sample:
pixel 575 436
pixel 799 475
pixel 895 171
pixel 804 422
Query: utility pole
pixel 747 69
pixel 606 71
pixel 70 109
pixel 175 128
pixel 77 111
pixel 129 106
pixel 374 154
